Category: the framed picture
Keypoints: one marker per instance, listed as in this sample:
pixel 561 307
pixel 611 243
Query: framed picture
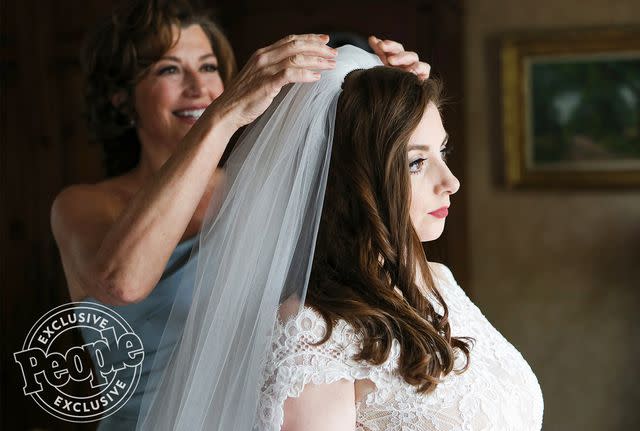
pixel 571 108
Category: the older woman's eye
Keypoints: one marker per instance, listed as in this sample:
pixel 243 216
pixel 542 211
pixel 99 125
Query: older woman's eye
pixel 210 68
pixel 167 70
pixel 416 166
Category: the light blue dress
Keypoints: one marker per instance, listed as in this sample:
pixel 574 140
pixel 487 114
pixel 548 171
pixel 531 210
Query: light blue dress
pixel 148 319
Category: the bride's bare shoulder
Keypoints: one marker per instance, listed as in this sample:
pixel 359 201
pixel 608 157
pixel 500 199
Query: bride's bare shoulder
pixel 292 308
pixel 295 319
pixel 288 309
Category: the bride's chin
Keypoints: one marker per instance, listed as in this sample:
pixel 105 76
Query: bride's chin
pixel 431 233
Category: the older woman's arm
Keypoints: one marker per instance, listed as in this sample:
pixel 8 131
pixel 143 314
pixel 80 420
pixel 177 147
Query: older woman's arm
pixel 117 252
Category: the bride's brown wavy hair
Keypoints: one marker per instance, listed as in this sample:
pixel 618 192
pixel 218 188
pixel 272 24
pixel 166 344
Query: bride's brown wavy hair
pixel 367 246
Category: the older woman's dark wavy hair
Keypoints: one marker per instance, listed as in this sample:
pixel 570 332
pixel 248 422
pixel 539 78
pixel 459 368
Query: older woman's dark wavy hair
pixel 367 245
pixel 118 54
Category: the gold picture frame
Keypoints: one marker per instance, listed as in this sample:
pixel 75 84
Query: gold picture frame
pixel 558 93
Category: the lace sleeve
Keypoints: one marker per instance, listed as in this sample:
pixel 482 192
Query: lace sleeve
pixel 442 272
pixel 295 362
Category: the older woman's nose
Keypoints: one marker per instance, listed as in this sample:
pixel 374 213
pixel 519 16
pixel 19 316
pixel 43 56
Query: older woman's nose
pixel 195 85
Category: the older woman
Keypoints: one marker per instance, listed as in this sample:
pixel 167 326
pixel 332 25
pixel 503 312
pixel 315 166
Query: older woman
pixel 164 101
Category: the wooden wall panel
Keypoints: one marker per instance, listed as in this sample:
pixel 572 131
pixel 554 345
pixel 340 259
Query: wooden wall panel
pixel 44 148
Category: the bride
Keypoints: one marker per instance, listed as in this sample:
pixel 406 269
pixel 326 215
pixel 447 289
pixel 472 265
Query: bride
pixel 314 306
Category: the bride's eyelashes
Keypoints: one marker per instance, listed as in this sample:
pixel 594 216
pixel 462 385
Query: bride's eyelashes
pixel 446 151
pixel 415 166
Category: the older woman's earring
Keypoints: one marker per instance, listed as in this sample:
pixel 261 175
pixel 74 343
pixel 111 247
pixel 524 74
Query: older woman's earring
pixel 132 122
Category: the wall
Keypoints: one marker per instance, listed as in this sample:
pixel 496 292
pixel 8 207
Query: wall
pixel 556 271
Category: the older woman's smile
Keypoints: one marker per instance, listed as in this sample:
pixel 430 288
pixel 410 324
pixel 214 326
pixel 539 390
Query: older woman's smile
pixel 189 115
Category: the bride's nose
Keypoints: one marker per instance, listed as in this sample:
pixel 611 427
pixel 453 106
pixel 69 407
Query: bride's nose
pixel 447 183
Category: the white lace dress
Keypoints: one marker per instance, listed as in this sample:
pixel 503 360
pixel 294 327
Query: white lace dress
pixel 498 391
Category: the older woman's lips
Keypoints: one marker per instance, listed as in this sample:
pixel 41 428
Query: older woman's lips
pixel 188 120
pixel 440 213
pixel 189 115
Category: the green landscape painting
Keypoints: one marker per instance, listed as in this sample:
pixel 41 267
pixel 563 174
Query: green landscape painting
pixel 584 112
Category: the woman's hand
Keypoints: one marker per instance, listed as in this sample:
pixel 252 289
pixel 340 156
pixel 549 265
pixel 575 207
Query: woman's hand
pixel 296 58
pixel 393 54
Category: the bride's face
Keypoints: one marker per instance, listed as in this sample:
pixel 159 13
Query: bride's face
pixel 432 183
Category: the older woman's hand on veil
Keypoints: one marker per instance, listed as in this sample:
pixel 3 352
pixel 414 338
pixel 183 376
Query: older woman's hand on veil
pixel 393 54
pixel 295 58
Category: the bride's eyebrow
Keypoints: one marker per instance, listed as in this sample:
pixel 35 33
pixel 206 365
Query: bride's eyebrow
pixel 426 147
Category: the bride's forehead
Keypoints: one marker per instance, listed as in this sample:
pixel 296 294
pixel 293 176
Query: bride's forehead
pixel 430 130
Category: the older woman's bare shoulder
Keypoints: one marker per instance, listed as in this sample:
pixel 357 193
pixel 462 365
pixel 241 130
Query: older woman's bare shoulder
pixel 99 202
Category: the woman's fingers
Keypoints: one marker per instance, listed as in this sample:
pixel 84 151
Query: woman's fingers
pixel 384 48
pixel 390 46
pixel 374 43
pixel 300 68
pixel 298 44
pixel 303 61
pixel 297 47
pixel 404 58
pixel 320 38
pixel 422 69
pixel 409 61
pixel 291 75
pixel 419 68
pixel 296 58
pixel 393 54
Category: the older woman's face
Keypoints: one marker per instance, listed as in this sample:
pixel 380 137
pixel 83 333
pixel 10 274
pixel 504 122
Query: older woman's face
pixel 178 87
pixel 432 183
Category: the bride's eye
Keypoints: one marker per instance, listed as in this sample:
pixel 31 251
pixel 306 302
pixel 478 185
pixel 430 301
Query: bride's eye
pixel 416 166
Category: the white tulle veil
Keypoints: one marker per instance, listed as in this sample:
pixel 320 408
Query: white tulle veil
pixel 255 252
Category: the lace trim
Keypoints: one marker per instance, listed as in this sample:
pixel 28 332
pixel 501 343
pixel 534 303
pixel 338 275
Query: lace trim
pixel 499 391
pixel 294 363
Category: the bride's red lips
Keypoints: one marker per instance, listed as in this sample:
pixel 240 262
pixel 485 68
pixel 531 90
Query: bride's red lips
pixel 440 212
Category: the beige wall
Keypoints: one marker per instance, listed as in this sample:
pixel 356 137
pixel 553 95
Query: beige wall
pixel 557 272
